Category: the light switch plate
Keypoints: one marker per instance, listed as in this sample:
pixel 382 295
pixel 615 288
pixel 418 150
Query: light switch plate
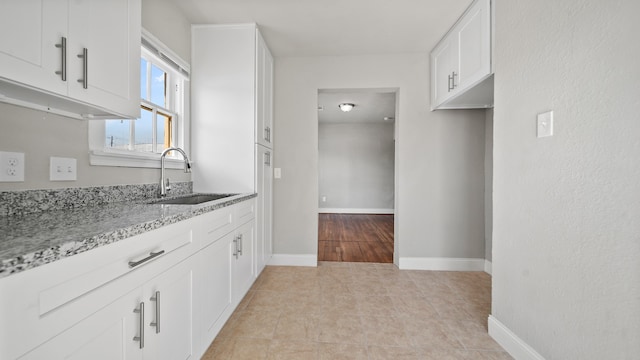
pixel 62 169
pixel 545 124
pixel 11 166
pixel 277 173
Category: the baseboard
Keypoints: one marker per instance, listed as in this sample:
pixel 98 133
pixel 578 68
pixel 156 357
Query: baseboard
pixel 293 260
pixel 511 342
pixel 488 267
pixel 354 211
pixel 441 264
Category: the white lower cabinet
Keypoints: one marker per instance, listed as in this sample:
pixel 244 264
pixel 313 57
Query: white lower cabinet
pixel 214 293
pixel 226 268
pixel 164 294
pixel 169 310
pixel 151 322
pixel 107 335
pixel 243 273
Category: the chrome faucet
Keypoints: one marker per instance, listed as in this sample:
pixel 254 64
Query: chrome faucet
pixel 164 185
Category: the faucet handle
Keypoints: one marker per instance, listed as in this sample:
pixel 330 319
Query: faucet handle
pixel 167 185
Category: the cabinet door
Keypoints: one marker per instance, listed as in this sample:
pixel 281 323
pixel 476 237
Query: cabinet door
pixel 264 91
pixel 106 335
pixel 215 264
pixel 264 182
pixel 243 267
pixel 474 45
pixel 110 33
pixel 30 31
pixel 169 328
pixel 442 68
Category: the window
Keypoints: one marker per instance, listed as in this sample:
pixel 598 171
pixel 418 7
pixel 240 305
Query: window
pixel 163 120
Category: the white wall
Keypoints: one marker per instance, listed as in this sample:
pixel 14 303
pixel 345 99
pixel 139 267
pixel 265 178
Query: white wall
pixel 439 156
pixel 166 21
pixel 356 166
pixel 566 229
pixel 41 135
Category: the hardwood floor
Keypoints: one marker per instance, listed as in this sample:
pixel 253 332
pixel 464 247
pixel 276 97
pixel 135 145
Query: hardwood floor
pixel 355 238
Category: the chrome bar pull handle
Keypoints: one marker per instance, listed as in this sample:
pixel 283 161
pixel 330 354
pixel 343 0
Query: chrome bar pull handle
pixel 156 323
pixel 453 80
pixel 235 247
pixel 449 83
pixel 85 68
pixel 140 338
pixel 268 134
pixel 63 50
pixel 240 244
pixel 268 160
pixel 151 256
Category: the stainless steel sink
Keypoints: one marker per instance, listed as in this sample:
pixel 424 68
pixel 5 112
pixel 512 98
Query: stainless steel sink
pixel 193 199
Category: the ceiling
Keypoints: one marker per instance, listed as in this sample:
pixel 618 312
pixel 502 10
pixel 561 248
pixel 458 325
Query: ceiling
pixel 370 106
pixel 335 27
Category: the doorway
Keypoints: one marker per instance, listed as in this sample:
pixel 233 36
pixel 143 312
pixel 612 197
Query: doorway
pixel 356 168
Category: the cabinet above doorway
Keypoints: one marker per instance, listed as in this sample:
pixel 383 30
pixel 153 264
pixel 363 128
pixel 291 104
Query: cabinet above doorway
pixel 461 64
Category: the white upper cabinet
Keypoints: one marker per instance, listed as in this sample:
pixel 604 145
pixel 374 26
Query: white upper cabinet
pixel 231 105
pixel 31 31
pixel 264 93
pixel 461 62
pixel 79 58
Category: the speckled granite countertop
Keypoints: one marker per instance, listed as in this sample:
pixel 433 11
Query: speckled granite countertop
pixel 30 240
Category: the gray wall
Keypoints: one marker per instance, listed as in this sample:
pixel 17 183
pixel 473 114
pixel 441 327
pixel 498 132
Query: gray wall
pixel 356 166
pixel 41 135
pixel 439 156
pixel 488 183
pixel 566 243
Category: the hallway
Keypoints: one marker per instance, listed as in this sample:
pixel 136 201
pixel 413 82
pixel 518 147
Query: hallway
pixel 355 238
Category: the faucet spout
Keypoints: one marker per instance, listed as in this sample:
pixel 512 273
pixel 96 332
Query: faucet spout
pixel 187 168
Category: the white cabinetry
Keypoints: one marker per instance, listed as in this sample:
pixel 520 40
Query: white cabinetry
pixel 232 117
pixel 264 188
pixel 163 330
pixel 226 269
pixel 164 294
pixel 39 56
pixel 461 73
pixel 39 308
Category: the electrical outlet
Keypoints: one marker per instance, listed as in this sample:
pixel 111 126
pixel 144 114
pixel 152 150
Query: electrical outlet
pixel 11 166
pixel 277 173
pixel 62 169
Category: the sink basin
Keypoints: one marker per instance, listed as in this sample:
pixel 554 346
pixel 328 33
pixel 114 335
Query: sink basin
pixel 193 199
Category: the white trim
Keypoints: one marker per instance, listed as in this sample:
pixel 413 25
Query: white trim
pixel 164 49
pixel 139 160
pixel 354 211
pixel 515 346
pixel 294 260
pixel 488 267
pixel 441 264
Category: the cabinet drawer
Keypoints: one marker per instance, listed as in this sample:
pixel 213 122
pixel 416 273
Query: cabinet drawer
pixel 216 224
pixel 244 212
pixel 39 303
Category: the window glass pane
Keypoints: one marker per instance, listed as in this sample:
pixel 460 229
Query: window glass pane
pixel 118 134
pixel 144 131
pixel 143 78
pixel 163 131
pixel 158 86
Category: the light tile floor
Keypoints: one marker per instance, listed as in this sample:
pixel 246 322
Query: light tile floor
pixel 360 311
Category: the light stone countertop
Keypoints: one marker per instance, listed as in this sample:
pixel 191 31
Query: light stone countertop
pixel 30 240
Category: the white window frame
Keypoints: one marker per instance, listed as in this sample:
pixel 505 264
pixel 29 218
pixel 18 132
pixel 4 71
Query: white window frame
pixel 101 155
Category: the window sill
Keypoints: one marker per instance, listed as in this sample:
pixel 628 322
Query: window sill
pixel 123 159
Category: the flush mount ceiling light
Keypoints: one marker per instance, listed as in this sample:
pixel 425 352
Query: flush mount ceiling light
pixel 346 107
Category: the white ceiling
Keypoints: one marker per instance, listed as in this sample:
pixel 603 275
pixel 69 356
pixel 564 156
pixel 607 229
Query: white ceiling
pixel 335 27
pixel 370 106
